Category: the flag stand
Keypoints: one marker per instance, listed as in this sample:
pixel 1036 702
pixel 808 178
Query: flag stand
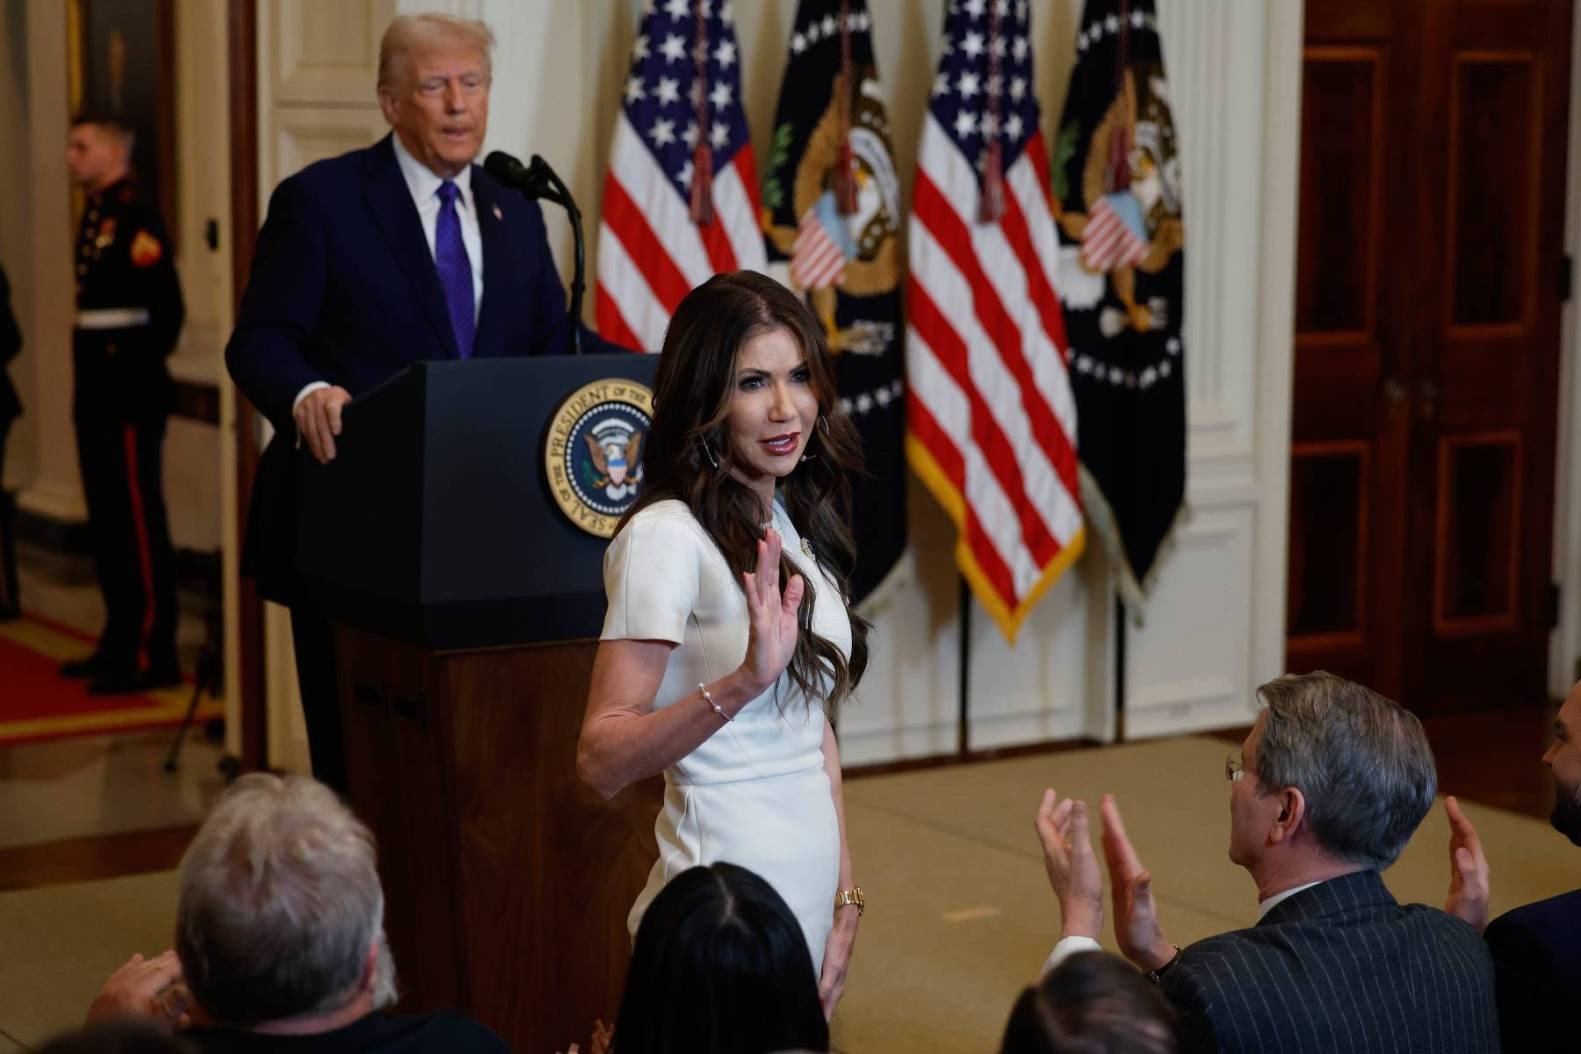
pixel 963 741
pixel 1119 668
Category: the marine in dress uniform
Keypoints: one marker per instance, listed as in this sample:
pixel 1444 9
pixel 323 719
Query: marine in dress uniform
pixel 129 314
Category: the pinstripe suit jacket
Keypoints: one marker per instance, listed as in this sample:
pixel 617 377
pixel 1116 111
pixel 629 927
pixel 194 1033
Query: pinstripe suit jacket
pixel 1339 967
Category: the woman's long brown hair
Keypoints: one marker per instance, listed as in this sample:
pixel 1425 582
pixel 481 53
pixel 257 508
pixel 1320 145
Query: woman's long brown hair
pixel 697 369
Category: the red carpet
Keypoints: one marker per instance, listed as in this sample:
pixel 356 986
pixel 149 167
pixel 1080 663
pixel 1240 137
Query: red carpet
pixel 36 703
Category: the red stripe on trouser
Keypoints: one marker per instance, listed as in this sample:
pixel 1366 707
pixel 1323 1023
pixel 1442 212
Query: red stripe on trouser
pixel 951 354
pixel 926 430
pixel 140 529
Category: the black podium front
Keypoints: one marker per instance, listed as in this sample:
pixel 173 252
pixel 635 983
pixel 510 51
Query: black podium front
pixel 466 607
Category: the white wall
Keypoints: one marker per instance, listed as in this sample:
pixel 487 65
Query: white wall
pixel 1234 67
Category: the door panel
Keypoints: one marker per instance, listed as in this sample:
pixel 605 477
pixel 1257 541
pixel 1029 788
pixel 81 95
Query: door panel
pixel 1433 163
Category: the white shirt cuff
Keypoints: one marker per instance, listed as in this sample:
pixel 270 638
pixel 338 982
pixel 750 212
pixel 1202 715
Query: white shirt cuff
pixel 307 389
pixel 1065 949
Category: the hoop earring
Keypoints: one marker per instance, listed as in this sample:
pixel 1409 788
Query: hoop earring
pixel 709 452
pixel 823 423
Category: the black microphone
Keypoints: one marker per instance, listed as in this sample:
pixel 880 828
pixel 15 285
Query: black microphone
pixel 537 181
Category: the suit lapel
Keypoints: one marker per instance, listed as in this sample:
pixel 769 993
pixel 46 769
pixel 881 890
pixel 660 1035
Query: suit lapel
pixel 392 207
pixel 496 266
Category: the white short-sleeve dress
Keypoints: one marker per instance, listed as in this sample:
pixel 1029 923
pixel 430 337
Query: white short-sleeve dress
pixel 755 793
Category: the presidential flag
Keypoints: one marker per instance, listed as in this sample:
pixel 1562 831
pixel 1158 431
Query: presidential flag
pixel 832 205
pixel 992 424
pixel 1117 181
pixel 681 194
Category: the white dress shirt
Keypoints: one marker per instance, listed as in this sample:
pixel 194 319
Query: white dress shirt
pixel 423 183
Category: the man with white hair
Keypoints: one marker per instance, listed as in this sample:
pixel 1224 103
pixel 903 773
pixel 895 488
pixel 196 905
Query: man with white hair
pixel 280 937
pixel 368 262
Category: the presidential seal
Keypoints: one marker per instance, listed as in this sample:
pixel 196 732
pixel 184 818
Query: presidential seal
pixel 593 453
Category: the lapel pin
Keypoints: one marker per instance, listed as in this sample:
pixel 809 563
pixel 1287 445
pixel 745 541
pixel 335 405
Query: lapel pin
pixel 498 214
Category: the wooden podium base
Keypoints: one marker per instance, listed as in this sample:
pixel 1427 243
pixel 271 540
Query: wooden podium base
pixel 506 881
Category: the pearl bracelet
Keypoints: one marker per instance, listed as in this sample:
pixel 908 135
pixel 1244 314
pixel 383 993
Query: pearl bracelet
pixel 708 698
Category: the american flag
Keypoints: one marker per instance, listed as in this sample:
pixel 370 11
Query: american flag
pixel 991 423
pixel 669 222
pixel 823 245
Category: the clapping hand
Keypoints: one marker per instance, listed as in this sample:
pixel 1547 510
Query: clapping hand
pixel 771 617
pixel 146 989
pixel 599 1044
pixel 1468 869
pixel 1072 868
pixel 1136 927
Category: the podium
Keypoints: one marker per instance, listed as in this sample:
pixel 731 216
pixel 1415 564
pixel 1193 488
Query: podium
pixel 466 608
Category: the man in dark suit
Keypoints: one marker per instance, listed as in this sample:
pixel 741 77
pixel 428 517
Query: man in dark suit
pixel 129 316
pixel 367 263
pixel 1329 786
pixel 1536 947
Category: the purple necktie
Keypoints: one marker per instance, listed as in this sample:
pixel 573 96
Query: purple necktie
pixel 455 269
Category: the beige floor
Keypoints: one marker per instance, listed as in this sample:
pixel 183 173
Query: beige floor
pixel 959 917
pixel 91 785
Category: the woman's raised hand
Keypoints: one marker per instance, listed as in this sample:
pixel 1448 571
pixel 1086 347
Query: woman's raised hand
pixel 771 617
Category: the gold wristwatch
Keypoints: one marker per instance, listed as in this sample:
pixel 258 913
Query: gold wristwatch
pixel 850 896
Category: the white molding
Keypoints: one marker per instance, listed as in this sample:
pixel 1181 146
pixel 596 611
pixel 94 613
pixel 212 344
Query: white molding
pixel 1564 647
pixel 1274 336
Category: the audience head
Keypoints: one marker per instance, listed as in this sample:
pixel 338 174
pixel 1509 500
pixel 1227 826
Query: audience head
pixel 121 1037
pixel 434 76
pixel 281 912
pixel 720 966
pixel 1563 758
pixel 98 150
pixel 1092 1003
pixel 1330 766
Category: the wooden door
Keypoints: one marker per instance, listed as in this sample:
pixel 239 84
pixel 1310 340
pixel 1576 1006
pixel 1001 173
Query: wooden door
pixel 1427 342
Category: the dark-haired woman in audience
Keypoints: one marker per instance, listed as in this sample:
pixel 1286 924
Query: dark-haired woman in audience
pixel 1092 1003
pixel 719 967
pixel 729 641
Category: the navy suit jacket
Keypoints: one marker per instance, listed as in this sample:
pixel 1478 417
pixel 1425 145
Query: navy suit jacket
pixel 344 289
pixel 1338 967
pixel 1537 970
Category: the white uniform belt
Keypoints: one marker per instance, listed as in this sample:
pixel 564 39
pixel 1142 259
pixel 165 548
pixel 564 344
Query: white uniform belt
pixel 112 318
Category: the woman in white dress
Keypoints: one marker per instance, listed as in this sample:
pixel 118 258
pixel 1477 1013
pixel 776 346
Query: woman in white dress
pixel 729 642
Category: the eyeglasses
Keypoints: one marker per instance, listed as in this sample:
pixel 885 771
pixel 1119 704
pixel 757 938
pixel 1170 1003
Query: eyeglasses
pixel 1234 768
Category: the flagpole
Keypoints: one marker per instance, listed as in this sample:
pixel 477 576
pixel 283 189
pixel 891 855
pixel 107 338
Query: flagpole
pixel 963 740
pixel 1119 668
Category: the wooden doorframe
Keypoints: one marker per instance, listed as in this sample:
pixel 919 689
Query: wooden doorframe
pixel 1564 656
pixel 242 36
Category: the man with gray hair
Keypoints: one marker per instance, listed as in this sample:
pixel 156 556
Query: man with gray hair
pixel 280 937
pixel 1328 787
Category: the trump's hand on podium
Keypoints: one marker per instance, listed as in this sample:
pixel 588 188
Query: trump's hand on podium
pixel 1071 865
pixel 318 420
